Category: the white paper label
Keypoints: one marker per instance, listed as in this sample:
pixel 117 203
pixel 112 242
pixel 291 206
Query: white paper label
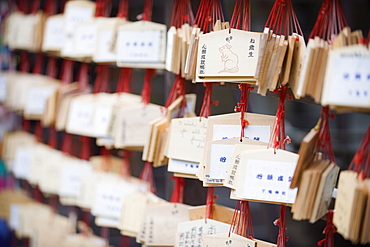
pixel 220 160
pixel 349 81
pixel 255 132
pixel 71 178
pixel 268 181
pixel 80 117
pixel 109 198
pixel 3 79
pixel 22 162
pixel 191 233
pixel 139 46
pixel 181 166
pixel 36 99
pixel 54 35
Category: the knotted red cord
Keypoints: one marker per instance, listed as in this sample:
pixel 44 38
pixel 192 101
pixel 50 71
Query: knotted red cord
pixel 243 106
pixel 209 202
pixel 329 231
pixel 325 145
pixel 278 138
pixel 282 238
pixel 205 111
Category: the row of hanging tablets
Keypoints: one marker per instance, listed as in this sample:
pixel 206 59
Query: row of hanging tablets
pixel 116 199
pixel 214 153
pixel 223 53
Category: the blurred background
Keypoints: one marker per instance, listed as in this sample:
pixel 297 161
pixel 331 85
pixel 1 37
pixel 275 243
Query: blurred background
pixel 346 129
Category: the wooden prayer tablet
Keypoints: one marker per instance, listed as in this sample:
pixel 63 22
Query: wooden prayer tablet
pixel 141 44
pixel 223 56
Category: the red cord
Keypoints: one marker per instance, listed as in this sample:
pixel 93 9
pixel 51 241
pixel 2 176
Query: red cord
pixel 146 91
pixel 147 175
pixel 329 231
pixel 178 190
pixel 209 202
pixel 66 74
pixel 124 81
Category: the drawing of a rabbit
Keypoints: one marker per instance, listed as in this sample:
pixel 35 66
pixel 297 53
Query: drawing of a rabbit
pixel 230 59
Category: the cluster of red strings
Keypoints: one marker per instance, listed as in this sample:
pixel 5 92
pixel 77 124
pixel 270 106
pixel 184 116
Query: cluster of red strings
pixel 181 13
pixel 278 138
pixel 240 18
pixel 282 19
pixel 325 145
pixel 209 11
pixel 330 21
pixel 241 223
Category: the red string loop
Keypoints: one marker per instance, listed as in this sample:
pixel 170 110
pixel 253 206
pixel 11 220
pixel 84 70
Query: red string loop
pixel 148 9
pixel 325 145
pixel 85 148
pixel 67 143
pixel 242 220
pixel 124 81
pixel 205 111
pixel 51 7
pixel 123 9
pixel 278 138
pixel 24 63
pixel 146 91
pixel 52 137
pixel 330 21
pixel 178 190
pixel 101 80
pixel 283 20
pixel 209 11
pixel 243 106
pixel 181 13
pixel 66 74
pixel 282 238
pixel 35 6
pixel 83 79
pixel 209 202
pixel 241 15
pixel 51 70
